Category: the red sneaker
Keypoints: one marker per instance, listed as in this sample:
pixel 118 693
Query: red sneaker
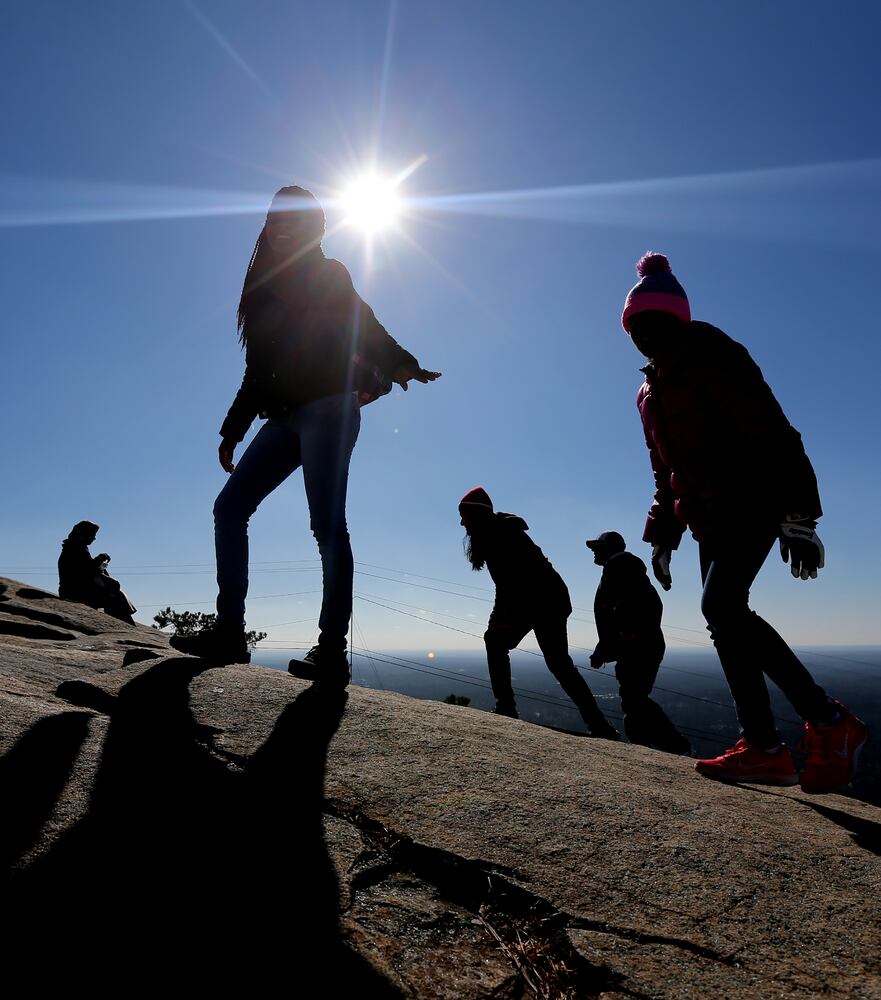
pixel 832 753
pixel 744 762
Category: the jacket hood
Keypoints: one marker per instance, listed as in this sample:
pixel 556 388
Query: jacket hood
pixel 512 521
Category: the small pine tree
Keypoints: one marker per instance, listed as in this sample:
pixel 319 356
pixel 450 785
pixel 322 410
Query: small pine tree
pixel 194 622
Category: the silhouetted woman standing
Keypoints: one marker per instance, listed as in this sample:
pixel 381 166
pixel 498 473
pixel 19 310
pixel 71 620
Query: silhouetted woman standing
pixel 315 353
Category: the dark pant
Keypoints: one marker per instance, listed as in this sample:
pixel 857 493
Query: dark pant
pixel 507 630
pixel 747 645
pixel 319 436
pixel 645 722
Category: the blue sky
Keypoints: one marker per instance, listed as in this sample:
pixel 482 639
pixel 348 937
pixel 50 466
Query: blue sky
pixel 142 143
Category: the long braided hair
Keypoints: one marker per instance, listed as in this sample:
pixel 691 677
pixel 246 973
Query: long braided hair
pixel 265 266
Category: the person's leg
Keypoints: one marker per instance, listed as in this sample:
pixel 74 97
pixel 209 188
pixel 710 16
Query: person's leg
pixel 553 641
pixel 748 646
pixel 270 458
pixel 118 606
pixel 503 633
pixel 645 722
pixel 328 432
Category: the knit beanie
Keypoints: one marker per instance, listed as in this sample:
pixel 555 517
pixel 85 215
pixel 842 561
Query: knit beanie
pixel 478 497
pixel 656 291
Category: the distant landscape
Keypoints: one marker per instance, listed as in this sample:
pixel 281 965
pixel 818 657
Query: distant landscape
pixel 690 688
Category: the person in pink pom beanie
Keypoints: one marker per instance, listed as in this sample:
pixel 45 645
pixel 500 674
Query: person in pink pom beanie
pixel 728 465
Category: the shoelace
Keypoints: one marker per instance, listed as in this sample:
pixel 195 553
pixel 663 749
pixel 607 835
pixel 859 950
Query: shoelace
pixel 738 748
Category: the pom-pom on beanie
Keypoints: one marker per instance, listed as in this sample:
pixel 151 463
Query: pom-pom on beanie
pixel 656 291
pixel 478 497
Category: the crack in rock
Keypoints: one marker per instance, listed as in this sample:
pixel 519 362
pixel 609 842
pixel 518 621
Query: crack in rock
pixel 525 928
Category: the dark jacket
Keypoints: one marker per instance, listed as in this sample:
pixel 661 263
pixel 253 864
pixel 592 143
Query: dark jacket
pixel 626 602
pixel 321 339
pixel 526 582
pixel 77 573
pixel 721 448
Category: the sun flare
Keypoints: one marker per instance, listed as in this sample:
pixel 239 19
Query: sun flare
pixel 371 203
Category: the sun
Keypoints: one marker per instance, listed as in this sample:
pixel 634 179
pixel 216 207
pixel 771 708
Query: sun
pixel 371 203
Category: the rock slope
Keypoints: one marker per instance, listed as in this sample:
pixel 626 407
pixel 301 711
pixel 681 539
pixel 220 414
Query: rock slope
pixel 170 825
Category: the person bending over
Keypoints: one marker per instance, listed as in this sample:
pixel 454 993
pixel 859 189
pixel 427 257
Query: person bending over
pixel 530 597
pixel 627 611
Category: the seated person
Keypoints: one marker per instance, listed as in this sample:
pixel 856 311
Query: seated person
pixel 84 578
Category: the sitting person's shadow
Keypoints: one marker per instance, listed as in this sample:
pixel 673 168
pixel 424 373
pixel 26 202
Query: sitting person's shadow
pixel 191 862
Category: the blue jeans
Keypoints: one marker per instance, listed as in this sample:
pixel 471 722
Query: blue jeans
pixel 319 436
pixel 748 647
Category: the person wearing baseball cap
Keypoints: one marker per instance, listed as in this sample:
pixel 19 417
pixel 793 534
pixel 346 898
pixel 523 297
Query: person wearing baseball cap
pixel 729 466
pixel 530 597
pixel 627 612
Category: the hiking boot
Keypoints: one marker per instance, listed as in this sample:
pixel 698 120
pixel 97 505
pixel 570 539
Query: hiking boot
pixel 744 762
pixel 832 752
pixel 508 709
pixel 221 644
pixel 323 666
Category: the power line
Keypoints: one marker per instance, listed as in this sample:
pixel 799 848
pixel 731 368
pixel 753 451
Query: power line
pixel 682 694
pixel 419 576
pixel 261 597
pixel 299 621
pixel 409 583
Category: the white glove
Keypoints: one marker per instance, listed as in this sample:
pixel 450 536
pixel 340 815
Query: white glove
pixel 661 565
pixel 801 547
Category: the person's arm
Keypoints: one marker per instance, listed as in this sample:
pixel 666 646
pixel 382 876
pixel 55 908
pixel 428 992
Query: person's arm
pixel 632 596
pixel 663 530
pixel 372 341
pixel 662 527
pixel 242 412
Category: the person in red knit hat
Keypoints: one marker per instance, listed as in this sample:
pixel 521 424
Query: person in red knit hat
pixel 729 466
pixel 530 597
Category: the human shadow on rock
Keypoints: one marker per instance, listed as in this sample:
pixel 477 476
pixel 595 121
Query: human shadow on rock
pixel 193 864
pixel 33 774
pixel 866 832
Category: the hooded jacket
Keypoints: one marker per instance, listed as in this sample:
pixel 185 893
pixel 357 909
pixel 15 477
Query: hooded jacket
pixel 320 339
pixel 626 602
pixel 525 580
pixel 721 448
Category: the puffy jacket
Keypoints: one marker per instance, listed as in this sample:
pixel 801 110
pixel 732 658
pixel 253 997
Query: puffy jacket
pixel 524 577
pixel 721 447
pixel 319 340
pixel 626 602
